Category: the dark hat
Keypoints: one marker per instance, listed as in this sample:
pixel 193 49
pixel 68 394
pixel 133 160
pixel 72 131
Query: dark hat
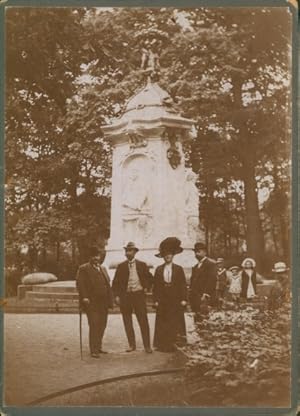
pixel 170 245
pixel 131 246
pixel 200 246
pixel 95 251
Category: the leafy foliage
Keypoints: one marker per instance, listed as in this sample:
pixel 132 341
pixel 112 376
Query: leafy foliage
pixel 241 358
pixel 56 173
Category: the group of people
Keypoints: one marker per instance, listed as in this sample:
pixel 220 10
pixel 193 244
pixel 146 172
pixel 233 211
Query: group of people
pixel 210 282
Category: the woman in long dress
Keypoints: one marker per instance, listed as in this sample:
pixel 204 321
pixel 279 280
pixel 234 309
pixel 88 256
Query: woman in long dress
pixel 249 279
pixel 170 298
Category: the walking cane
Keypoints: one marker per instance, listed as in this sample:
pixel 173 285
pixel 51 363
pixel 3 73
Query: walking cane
pixel 80 331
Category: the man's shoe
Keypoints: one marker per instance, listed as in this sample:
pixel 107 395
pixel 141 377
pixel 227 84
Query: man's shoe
pixel 103 352
pixel 95 355
pixel 130 349
pixel 148 350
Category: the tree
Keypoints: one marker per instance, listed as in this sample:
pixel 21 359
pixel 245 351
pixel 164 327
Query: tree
pixel 48 173
pixel 235 97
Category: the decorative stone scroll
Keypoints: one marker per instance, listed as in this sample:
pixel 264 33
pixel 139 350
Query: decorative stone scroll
pixel 173 152
pixel 136 139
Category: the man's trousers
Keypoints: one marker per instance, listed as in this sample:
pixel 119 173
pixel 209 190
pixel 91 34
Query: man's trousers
pixel 135 302
pixel 97 319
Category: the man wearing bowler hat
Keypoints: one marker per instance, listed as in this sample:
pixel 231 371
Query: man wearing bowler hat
pixel 221 284
pixel 203 279
pixel 130 284
pixel 95 297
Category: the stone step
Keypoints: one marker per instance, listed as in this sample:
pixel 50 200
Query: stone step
pixel 54 288
pixel 39 302
pixel 52 295
pixel 60 286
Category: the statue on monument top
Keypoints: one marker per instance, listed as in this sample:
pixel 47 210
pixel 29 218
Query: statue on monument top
pixel 150 63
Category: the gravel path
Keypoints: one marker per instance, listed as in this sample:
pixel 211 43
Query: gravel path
pixel 42 355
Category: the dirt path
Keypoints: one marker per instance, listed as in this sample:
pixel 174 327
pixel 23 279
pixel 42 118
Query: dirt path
pixel 42 355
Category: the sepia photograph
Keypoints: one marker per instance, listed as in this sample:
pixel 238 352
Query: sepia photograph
pixel 148 207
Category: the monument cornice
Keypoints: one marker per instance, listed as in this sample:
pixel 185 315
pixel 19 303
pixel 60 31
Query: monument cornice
pixel 119 132
pixel 172 121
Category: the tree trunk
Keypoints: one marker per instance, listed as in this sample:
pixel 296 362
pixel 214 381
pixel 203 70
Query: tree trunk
pixel 254 236
pixel 284 238
pixel 254 232
pixel 57 251
pixel 274 236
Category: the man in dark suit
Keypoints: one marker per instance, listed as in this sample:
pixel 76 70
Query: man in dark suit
pixel 95 297
pixel 130 284
pixel 203 279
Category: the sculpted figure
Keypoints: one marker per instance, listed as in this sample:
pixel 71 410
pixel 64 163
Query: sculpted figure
pixel 135 195
pixel 192 193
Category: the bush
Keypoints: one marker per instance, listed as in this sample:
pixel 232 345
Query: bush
pixel 240 358
pixel 64 269
pixel 12 280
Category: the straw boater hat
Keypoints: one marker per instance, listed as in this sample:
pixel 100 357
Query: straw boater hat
pixel 280 267
pixel 220 260
pixel 234 268
pixel 131 246
pixel 249 259
pixel 170 245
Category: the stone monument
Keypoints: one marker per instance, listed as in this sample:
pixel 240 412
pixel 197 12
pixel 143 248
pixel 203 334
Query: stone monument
pixel 153 194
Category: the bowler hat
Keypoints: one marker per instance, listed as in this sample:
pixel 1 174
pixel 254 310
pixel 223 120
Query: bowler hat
pixel 199 246
pixel 170 245
pixel 280 267
pixel 95 251
pixel 131 246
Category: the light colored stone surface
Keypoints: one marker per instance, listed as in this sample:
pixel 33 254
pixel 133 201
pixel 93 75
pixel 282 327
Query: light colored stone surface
pixel 42 355
pixel 152 197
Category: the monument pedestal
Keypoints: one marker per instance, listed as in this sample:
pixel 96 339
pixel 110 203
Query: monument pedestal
pixel 154 195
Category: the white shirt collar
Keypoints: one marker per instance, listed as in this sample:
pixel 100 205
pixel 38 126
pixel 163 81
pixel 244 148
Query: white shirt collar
pixel 168 272
pixel 201 261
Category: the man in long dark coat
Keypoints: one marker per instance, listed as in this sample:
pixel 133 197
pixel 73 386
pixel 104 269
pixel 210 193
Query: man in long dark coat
pixel 203 279
pixel 221 284
pixel 131 282
pixel 95 297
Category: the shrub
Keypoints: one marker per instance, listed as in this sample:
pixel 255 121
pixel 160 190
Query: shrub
pixel 240 358
pixel 12 280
